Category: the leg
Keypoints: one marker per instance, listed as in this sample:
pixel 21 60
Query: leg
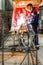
pixel 36 41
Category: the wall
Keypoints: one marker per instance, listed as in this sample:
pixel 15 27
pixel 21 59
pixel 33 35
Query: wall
pixel 38 1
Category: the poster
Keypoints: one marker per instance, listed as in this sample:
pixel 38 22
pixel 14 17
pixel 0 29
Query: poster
pixel 18 17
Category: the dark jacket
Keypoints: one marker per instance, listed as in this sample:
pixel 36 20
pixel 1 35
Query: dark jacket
pixel 35 23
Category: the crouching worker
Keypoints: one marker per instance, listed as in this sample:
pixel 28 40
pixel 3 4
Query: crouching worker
pixel 30 17
pixel 34 20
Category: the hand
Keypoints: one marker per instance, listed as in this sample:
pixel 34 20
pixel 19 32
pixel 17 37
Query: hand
pixel 38 28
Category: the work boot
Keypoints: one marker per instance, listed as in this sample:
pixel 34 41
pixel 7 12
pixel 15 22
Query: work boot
pixel 37 46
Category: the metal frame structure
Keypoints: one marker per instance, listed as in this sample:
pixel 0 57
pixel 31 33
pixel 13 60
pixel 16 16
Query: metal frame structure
pixel 28 50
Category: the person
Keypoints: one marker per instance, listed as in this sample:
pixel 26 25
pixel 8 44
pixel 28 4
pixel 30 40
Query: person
pixel 29 16
pixel 35 25
pixel 34 20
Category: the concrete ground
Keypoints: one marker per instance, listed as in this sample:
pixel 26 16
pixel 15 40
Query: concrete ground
pixel 13 58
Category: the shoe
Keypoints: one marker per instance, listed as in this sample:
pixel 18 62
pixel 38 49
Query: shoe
pixel 37 46
pixel 27 49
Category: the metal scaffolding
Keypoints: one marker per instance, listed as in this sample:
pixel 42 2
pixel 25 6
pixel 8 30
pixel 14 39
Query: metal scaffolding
pixel 22 44
pixel 29 50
